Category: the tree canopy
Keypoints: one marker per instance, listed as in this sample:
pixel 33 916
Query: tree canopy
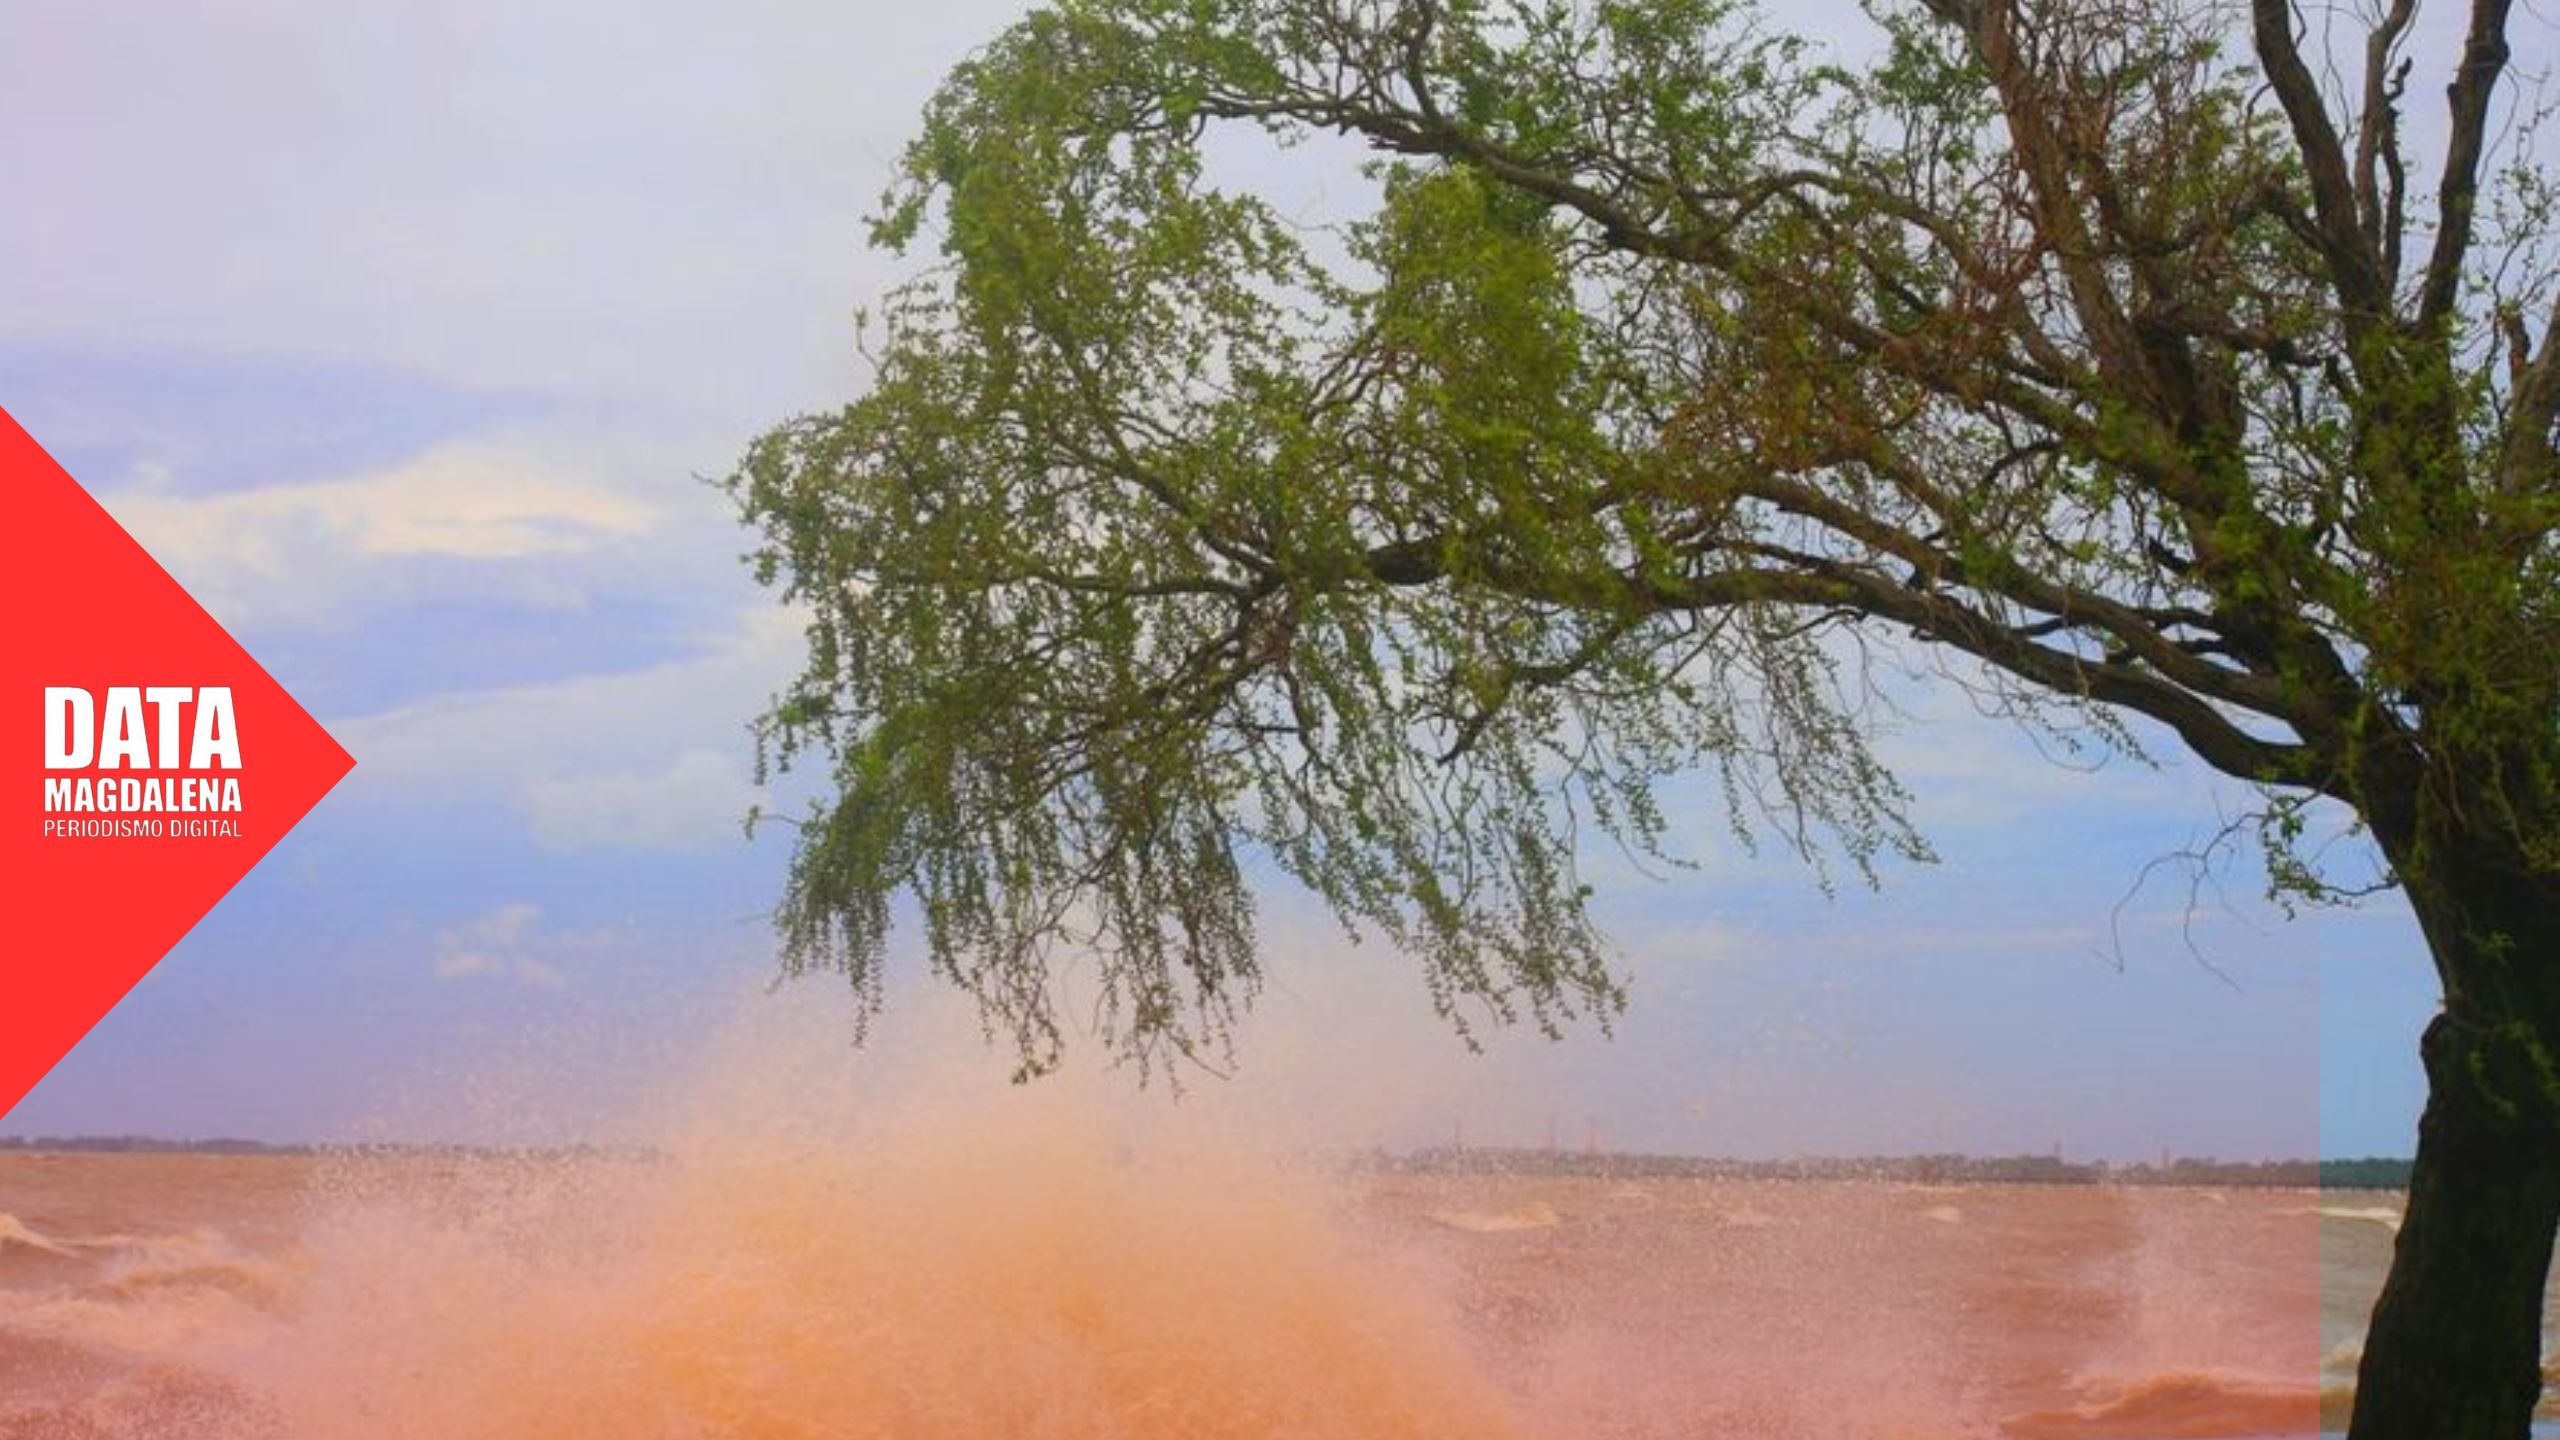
pixel 1673 363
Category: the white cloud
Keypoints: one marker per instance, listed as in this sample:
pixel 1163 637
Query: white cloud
pixel 511 506
pixel 465 501
pixel 496 944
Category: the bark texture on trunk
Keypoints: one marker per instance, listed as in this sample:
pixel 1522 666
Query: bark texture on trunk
pixel 2454 1351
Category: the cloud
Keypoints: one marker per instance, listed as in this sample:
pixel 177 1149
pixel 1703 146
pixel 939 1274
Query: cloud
pixel 695 800
pixel 658 198
pixel 649 758
pixel 312 551
pixel 495 944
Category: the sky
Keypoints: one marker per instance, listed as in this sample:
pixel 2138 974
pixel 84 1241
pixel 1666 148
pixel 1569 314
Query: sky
pixel 406 335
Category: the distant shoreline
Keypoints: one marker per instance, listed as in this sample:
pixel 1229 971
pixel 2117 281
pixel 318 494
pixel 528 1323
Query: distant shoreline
pixel 2344 1174
pixel 153 1145
pixel 120 1144
pixel 2367 1173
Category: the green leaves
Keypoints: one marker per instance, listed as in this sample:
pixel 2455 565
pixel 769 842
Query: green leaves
pixel 1178 542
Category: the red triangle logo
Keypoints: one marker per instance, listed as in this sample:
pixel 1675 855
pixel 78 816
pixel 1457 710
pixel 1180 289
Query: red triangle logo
pixel 157 762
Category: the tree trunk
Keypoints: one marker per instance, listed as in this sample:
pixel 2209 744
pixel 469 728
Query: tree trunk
pixel 2454 1351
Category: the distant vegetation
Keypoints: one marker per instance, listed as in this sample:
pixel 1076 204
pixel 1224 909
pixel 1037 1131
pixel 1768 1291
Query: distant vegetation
pixel 2371 1173
pixel 219 1146
pixel 1908 1169
pixel 152 1145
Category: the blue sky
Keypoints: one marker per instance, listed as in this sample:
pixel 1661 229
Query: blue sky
pixel 404 333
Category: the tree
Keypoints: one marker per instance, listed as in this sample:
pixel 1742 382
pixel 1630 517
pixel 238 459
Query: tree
pixel 2112 351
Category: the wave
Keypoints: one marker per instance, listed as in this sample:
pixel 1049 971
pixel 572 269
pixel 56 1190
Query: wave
pixel 946 1281
pixel 256 1282
pixel 786 1263
pixel 15 1232
pixel 2177 1405
pixel 2382 1215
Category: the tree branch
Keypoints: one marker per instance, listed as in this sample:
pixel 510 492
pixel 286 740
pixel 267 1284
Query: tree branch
pixel 1812 582
pixel 2532 453
pixel 2484 59
pixel 2378 135
pixel 2354 270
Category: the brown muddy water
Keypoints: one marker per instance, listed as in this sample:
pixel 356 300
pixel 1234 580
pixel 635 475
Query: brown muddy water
pixel 963 1283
